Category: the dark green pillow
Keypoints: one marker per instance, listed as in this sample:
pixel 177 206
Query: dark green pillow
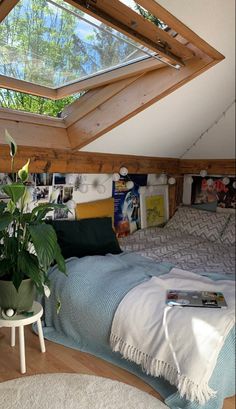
pixel 86 237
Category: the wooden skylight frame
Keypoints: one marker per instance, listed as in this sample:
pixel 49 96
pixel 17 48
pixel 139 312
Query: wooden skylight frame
pixel 123 19
pixel 112 97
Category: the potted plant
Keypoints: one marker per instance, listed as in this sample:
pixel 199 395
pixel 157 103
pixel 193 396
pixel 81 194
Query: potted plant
pixel 28 245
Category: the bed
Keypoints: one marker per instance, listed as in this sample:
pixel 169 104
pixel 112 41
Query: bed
pixel 96 284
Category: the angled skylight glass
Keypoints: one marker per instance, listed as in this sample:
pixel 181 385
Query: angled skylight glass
pixel 46 43
pixel 144 13
pixel 35 104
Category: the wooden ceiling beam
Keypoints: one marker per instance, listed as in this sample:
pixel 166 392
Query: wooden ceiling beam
pixel 123 19
pixel 134 98
pixel 58 160
pixel 6 6
pixel 164 15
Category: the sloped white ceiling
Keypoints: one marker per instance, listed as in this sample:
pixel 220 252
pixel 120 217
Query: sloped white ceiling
pixel 169 127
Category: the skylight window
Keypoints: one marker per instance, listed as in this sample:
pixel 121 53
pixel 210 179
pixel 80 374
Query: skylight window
pixel 144 13
pixel 34 104
pixel 129 3
pixel 44 43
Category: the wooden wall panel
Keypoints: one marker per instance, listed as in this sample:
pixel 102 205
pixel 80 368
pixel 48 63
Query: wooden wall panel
pixel 175 194
pixel 57 160
pixel 213 166
pixel 61 160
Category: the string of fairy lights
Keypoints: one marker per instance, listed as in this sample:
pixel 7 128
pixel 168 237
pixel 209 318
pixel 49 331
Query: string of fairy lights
pixel 207 130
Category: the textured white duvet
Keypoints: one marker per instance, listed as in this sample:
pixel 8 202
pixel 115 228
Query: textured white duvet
pixel 180 344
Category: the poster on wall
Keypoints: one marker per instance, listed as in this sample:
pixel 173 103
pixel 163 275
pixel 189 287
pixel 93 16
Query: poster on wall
pixel 212 189
pixel 154 206
pixel 155 211
pixel 127 203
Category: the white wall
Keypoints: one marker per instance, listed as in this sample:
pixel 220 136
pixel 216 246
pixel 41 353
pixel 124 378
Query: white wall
pixel 219 141
pixel 170 126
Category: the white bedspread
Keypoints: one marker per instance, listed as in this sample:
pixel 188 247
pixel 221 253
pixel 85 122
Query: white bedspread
pixel 180 344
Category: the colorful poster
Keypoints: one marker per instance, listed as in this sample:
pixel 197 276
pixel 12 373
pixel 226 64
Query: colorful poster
pixel 127 203
pixel 214 189
pixel 155 211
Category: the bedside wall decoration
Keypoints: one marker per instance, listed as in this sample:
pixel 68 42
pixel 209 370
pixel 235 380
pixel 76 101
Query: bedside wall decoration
pixel 72 188
pixel 127 203
pixel 154 206
pixel 220 190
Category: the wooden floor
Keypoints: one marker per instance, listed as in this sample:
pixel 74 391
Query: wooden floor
pixel 61 359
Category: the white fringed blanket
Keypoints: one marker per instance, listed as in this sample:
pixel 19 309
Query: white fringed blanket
pixel 180 344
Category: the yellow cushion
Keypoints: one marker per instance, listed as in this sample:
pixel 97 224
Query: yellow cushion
pixel 97 208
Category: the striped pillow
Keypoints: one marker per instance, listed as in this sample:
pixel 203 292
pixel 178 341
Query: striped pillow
pixel 207 225
pixel 228 236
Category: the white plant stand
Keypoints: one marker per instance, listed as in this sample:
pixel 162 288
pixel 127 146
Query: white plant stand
pixel 20 321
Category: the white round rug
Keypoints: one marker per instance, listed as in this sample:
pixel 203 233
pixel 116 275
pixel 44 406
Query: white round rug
pixel 73 391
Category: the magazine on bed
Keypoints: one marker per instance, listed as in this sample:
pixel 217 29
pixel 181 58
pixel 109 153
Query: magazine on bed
pixel 188 298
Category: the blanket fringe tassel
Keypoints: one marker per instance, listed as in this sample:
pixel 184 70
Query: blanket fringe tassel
pixel 152 366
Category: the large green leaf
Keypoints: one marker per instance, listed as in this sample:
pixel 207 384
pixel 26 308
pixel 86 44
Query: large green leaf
pixel 29 266
pixel 1 250
pixel 11 249
pixel 60 259
pixel 45 243
pixel 26 218
pixel 4 267
pixel 17 278
pixel 5 219
pixel 15 191
pixel 3 206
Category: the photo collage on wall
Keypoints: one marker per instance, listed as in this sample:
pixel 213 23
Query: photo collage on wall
pixel 61 194
pixel 44 187
pixel 127 203
pixel 4 180
pixel 220 191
